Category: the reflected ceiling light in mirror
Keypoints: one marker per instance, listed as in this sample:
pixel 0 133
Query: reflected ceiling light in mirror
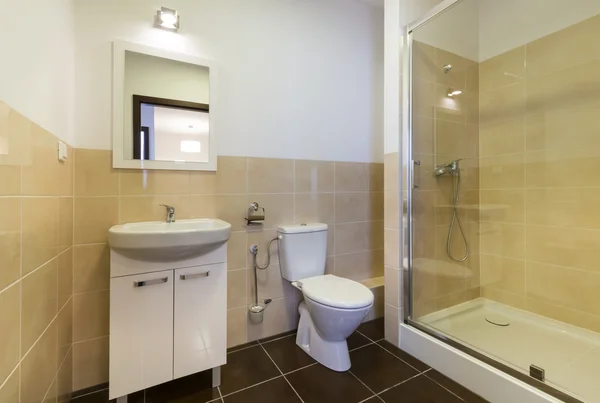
pixel 452 92
pixel 190 146
pixel 167 18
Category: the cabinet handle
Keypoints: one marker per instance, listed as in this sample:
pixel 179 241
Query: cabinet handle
pixel 150 282
pixel 191 276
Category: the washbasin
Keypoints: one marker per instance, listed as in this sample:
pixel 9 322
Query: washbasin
pixel 163 241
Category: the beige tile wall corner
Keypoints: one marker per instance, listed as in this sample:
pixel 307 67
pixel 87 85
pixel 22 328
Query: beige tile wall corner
pixel 36 238
pixel 444 129
pixel 539 159
pixel 346 196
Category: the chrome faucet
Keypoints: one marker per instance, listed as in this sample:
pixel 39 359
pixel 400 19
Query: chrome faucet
pixel 170 212
pixel 449 168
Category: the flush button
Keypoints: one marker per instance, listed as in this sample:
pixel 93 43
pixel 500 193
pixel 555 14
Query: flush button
pixel 303 225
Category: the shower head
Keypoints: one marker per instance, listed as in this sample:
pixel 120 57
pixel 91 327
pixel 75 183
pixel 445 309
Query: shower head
pixel 447 68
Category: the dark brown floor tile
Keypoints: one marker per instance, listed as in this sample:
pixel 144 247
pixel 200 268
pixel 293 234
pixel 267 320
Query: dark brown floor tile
pixel 318 384
pixel 374 399
pixel 196 388
pixel 246 368
pixel 373 329
pixel 419 390
pixel 379 369
pixel 277 336
pixel 287 355
pixel 275 391
pixel 357 340
pixel 102 397
pixel 454 387
pixel 404 356
pixel 241 347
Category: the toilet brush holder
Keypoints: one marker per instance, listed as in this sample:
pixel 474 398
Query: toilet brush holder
pixel 257 311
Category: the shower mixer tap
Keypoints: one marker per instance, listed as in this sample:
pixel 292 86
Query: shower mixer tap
pixel 449 168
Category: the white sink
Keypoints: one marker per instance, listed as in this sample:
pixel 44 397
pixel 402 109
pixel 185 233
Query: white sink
pixel 162 241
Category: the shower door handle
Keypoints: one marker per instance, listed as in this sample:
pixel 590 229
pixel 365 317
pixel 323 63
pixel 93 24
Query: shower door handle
pixel 416 164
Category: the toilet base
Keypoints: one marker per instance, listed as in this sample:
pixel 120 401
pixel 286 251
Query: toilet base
pixel 331 354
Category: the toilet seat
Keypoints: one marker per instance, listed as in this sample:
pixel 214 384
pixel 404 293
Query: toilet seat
pixel 336 292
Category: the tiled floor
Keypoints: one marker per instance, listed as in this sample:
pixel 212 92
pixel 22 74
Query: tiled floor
pixel 275 370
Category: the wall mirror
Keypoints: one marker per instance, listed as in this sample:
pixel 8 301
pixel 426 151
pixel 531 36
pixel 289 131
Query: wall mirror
pixel 163 109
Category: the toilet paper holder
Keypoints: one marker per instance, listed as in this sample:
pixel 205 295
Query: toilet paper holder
pixel 256 214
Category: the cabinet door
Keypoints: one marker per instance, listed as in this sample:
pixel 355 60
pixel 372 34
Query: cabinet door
pixel 141 331
pixel 200 319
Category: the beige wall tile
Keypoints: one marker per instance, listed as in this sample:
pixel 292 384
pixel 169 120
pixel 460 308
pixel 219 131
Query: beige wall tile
pixel 40 173
pixel 391 248
pixel 314 176
pixel 90 363
pixel 236 326
pixel 64 385
pixel 65 277
pixel 65 223
pixel 423 135
pixel 38 368
pixel 352 207
pixel 456 140
pixel 555 168
pixel 376 206
pixel 351 177
pixel 10 322
pixel 391 171
pixel 231 175
pixel 392 317
pixel 64 328
pixel 283 316
pixel 427 209
pixel 270 284
pixel 236 288
pixel 236 251
pixel 315 207
pixel 262 238
pixel 232 209
pixel 392 286
pixel 40 231
pixel 270 175
pixel 153 182
pixel 9 392
pixel 503 205
pixel 424 98
pixel 502 137
pixel 516 301
pixel 91 268
pixel 502 172
pixel 353 237
pixel 40 303
pixel 360 265
pixel 199 206
pixel 555 207
pixel 556 51
pixel 279 208
pixel 148 208
pixel 94 175
pixel 502 239
pixel 574 317
pixel 391 210
pixel 204 182
pixel 376 182
pixel 90 315
pixel 456 298
pixel 450 109
pixel 93 218
pixel 66 174
pixel 503 274
pixel 11 180
pixel 50 396
pixel 569 247
pixel 502 70
pixel 425 65
pixel 504 103
pixel 10 240
pixel 460 65
pixel 575 289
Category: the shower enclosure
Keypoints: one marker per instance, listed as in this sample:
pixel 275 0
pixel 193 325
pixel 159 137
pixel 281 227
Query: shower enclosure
pixel 502 162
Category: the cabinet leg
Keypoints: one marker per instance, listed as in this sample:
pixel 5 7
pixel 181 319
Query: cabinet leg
pixel 122 399
pixel 216 378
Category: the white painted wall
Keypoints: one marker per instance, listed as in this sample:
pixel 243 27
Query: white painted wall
pixel 297 78
pixel 37 48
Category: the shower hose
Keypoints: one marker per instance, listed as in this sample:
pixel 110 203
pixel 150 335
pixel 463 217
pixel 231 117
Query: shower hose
pixel 456 220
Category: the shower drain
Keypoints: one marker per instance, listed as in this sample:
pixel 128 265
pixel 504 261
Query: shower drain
pixel 498 320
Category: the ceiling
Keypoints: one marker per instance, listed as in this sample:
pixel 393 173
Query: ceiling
pixel 175 121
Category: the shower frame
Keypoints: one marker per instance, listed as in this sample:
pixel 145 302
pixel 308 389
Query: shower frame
pixel 408 165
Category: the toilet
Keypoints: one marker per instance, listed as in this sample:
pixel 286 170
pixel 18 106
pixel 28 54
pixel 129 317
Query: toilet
pixel 333 306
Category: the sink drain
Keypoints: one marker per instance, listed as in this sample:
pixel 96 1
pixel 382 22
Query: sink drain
pixel 498 320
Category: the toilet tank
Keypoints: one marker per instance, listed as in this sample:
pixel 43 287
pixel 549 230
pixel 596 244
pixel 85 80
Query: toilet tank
pixel 302 250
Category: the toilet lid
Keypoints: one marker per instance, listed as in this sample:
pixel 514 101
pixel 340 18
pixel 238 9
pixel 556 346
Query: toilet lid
pixel 336 291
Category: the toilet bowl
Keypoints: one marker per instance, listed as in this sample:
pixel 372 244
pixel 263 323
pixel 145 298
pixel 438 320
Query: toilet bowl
pixel 333 306
pixel 328 318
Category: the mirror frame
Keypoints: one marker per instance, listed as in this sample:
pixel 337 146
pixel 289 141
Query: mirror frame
pixel 118 98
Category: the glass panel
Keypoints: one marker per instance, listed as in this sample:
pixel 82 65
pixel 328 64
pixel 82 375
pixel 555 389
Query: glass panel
pixel 506 233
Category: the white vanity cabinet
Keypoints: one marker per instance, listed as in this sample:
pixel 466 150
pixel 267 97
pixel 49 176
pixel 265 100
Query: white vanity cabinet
pixel 167 319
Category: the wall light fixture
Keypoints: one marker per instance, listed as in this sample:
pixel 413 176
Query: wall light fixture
pixel 167 18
